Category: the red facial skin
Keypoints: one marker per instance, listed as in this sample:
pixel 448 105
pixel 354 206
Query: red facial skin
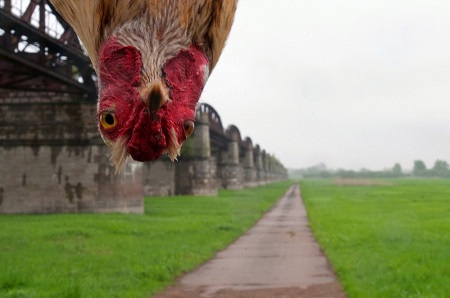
pixel 148 134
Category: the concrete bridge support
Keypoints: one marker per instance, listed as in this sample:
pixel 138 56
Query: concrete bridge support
pixel 250 179
pixel 54 161
pixel 260 175
pixel 265 166
pixel 231 170
pixel 197 174
pixel 158 177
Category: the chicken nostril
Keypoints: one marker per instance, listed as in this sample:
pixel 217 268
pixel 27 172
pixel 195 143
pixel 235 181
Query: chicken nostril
pixel 155 99
pixel 154 96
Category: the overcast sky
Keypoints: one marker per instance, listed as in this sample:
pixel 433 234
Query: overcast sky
pixel 352 84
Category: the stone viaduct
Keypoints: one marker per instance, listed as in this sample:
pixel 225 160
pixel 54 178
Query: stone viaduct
pixel 52 158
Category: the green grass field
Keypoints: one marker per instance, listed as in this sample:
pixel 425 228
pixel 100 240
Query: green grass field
pixel 122 255
pixel 390 240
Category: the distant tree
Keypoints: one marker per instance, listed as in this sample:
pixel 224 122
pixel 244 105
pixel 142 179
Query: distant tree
pixel 440 165
pixel 420 168
pixel 440 168
pixel 397 170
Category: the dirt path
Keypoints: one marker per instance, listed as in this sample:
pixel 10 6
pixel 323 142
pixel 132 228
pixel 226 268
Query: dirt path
pixel 278 257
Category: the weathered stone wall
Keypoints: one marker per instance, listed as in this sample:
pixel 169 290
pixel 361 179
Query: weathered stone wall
pixel 70 180
pixel 196 173
pixel 250 179
pixel 159 177
pixel 232 176
pixel 18 96
pixel 53 159
pixel 196 176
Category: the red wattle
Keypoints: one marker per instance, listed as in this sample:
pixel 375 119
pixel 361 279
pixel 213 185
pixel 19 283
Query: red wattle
pixel 147 141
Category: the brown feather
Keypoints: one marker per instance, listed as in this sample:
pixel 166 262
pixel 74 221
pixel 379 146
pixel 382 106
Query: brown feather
pixel 207 22
pixel 94 21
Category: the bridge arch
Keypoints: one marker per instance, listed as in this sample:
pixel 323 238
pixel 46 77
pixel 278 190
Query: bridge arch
pixel 233 133
pixel 215 123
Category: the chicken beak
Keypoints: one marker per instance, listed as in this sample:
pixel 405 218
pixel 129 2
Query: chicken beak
pixel 155 97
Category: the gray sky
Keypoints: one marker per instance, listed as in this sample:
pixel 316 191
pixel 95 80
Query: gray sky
pixel 349 83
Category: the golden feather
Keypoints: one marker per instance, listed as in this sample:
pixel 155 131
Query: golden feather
pixel 206 22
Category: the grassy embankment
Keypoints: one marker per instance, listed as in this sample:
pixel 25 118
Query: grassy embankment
pixel 390 240
pixel 123 255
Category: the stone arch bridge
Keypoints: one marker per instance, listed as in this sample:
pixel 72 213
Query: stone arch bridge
pixel 52 158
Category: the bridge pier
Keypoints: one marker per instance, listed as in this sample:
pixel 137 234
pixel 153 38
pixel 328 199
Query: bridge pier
pixel 54 161
pixel 265 166
pixel 250 179
pixel 196 174
pixel 231 170
pixel 260 175
pixel 158 177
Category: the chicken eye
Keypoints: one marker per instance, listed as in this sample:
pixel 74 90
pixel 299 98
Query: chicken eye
pixel 108 120
pixel 188 128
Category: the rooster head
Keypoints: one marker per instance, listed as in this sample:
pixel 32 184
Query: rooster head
pixel 145 114
pixel 152 58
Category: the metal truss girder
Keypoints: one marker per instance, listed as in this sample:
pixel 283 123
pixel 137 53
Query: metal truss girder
pixel 54 65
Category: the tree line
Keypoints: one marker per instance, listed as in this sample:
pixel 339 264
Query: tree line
pixel 439 169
